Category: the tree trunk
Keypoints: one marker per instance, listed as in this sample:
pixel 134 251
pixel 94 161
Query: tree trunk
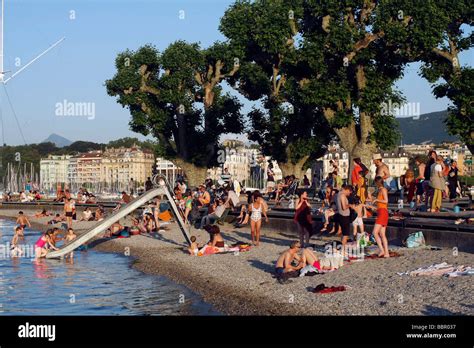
pixel 296 169
pixel 195 175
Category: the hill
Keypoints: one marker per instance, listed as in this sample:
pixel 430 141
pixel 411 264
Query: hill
pixel 57 140
pixel 428 128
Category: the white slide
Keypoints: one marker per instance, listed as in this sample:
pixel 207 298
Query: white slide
pixel 103 225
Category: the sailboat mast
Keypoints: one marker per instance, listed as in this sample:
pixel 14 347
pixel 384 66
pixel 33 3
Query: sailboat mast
pixel 1 42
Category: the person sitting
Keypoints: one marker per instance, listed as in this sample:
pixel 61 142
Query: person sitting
pixel 211 217
pixel 204 198
pixel 328 213
pixel 243 218
pixel 114 230
pixel 125 198
pixel 216 239
pixel 57 218
pixel 99 213
pixel 194 247
pixel 87 215
pixel 284 263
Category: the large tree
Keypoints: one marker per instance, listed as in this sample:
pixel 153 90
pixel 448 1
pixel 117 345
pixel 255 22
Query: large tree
pixel 442 67
pixel 352 62
pixel 177 97
pixel 264 37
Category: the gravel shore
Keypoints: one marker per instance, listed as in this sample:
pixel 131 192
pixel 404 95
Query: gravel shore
pixel 243 284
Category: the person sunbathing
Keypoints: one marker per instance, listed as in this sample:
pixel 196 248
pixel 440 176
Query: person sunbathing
pixel 42 213
pixel 56 219
pixel 284 262
pixel 324 263
pixel 113 230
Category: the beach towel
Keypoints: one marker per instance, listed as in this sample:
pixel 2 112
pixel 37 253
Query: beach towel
pixel 308 270
pixel 439 269
pixel 323 289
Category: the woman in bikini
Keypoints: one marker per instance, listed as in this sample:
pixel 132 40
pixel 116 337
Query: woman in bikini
pixel 256 209
pixel 382 216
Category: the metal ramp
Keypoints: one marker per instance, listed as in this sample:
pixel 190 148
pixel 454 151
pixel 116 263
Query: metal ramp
pixel 121 213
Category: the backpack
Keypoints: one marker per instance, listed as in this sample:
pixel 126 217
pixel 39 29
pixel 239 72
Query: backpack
pixel 414 240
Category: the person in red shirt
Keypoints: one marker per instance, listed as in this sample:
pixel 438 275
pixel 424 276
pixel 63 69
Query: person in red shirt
pixel 355 175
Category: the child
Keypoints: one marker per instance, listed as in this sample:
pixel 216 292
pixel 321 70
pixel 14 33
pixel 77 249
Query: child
pixel 70 236
pixel 327 215
pixel 42 243
pixel 359 208
pixel 15 249
pixel 55 220
pixel 22 220
pixel 194 247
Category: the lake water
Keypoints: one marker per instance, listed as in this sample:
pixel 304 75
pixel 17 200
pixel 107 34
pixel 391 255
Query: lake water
pixel 95 284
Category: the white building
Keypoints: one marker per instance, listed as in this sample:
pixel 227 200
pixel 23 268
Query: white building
pixel 54 172
pixel 339 159
pixel 397 162
pixel 168 169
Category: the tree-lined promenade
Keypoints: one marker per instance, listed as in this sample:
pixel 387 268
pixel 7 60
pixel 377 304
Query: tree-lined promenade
pixel 319 70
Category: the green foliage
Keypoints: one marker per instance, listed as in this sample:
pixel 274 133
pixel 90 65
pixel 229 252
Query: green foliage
pixel 175 96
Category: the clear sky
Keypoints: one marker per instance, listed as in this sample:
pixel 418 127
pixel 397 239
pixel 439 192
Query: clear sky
pixel 76 70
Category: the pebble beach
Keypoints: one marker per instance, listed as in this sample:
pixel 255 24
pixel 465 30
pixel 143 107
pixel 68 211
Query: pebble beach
pixel 242 284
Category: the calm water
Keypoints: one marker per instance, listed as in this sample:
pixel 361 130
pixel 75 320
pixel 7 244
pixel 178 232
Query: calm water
pixel 95 284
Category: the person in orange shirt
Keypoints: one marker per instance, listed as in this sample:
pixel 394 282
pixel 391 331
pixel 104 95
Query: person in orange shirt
pixel 358 179
pixel 382 216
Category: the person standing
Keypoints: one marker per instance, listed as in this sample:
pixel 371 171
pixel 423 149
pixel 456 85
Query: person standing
pixel 148 184
pixel 270 179
pixel 453 180
pixel 68 212
pixel 384 172
pixel 343 209
pixel 427 189
pixel 256 210
pixel 419 179
pixel 382 216
pixel 303 219
pixel 437 182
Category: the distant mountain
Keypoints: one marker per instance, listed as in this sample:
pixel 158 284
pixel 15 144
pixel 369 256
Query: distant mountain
pixel 429 128
pixel 58 140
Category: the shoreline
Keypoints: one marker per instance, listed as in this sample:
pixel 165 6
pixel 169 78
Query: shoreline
pixel 242 285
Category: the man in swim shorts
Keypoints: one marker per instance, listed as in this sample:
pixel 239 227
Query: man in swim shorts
pixel 284 262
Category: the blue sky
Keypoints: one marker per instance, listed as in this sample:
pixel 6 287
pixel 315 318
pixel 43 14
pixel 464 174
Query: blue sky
pixel 76 70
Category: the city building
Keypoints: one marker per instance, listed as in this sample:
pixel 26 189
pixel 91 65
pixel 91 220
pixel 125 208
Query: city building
pixel 54 172
pixel 114 169
pixel 397 162
pixel 126 168
pixel 336 157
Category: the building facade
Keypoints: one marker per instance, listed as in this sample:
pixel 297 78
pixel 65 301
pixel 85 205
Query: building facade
pixel 54 172
pixel 114 169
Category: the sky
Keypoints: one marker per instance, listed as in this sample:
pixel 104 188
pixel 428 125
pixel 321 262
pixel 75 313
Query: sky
pixel 95 31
